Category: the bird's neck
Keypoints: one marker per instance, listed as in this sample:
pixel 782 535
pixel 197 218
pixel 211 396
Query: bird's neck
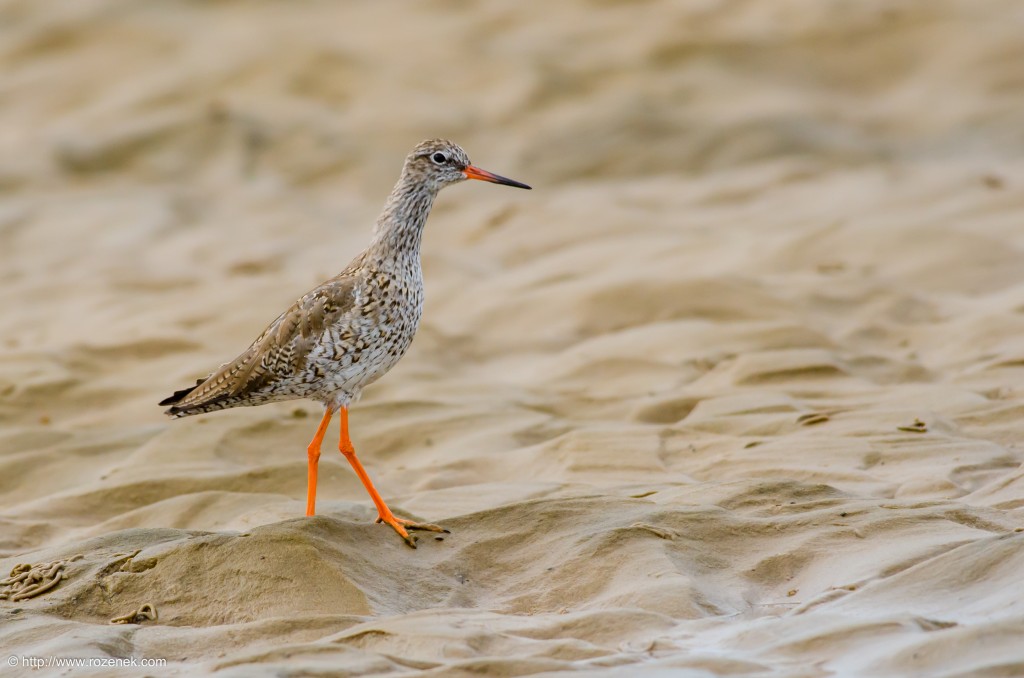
pixel 399 229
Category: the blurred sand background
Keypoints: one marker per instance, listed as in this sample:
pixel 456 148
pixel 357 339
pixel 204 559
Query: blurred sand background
pixel 666 402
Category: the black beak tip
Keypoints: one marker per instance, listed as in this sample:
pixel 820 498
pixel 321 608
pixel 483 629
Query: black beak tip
pixel 513 183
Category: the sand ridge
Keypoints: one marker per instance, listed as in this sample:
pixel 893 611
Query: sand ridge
pixel 733 391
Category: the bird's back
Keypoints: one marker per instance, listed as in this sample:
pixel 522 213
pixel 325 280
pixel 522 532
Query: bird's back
pixel 328 345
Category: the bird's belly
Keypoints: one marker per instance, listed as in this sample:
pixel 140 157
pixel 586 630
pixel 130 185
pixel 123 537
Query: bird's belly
pixel 345 368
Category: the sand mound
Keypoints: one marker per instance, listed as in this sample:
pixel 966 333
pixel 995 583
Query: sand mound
pixel 556 583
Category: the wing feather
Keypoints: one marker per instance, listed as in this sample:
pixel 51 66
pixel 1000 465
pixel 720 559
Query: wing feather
pixel 279 352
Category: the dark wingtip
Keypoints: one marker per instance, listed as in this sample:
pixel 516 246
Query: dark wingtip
pixel 178 395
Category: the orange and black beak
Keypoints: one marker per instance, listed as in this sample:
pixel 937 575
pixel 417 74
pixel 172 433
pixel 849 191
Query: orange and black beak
pixel 472 172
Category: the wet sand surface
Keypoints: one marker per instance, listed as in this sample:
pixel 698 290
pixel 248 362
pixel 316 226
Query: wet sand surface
pixel 734 391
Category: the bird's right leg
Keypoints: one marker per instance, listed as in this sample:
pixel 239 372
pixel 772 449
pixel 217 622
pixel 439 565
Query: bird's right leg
pixel 313 453
pixel 384 514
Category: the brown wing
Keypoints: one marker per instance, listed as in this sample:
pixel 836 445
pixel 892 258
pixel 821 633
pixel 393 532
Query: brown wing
pixel 279 352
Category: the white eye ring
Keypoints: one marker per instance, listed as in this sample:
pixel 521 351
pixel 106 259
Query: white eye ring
pixel 439 158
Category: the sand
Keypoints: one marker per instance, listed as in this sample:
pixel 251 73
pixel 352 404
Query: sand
pixel 734 391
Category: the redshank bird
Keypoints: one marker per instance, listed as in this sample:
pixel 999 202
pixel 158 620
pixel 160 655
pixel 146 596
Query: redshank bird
pixel 347 332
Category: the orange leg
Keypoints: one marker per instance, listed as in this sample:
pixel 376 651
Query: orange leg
pixel 384 514
pixel 313 452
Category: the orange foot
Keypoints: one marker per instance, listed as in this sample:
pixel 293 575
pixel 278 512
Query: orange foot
pixel 401 526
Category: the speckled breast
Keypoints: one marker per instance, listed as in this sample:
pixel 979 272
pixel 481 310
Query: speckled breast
pixel 374 337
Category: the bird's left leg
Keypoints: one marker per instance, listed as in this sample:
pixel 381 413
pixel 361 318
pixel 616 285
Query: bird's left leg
pixel 384 514
pixel 313 453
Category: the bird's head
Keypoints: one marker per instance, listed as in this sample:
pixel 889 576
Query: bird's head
pixel 439 162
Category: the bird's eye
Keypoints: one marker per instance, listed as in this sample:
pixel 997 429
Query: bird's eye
pixel 439 158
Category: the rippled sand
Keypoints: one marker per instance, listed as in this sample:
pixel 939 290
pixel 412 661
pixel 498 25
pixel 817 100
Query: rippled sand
pixel 734 391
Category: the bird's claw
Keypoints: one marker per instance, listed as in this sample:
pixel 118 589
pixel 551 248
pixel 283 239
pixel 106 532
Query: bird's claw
pixel 402 526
